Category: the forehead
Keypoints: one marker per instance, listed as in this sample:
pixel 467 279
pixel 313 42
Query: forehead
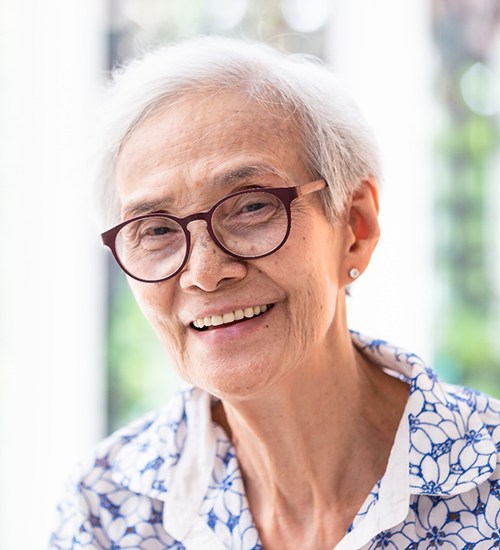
pixel 186 145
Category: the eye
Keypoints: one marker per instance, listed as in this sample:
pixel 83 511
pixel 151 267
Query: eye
pixel 156 230
pixel 248 212
pixel 257 202
pixel 253 207
pixel 152 234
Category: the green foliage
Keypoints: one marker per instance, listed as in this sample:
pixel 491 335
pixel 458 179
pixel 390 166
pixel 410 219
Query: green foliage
pixel 467 349
pixel 139 375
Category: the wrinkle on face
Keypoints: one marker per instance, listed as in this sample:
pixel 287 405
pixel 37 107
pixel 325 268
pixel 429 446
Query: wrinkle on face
pixel 185 156
pixel 197 134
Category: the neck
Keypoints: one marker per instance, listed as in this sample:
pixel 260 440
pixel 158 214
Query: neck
pixel 318 440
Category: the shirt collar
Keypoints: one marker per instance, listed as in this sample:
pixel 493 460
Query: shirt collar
pixel 451 450
pixel 442 446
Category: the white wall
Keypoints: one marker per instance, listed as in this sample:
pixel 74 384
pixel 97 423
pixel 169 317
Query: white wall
pixel 51 379
pixel 382 50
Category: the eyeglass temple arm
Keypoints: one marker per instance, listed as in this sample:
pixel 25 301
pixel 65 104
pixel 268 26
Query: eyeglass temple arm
pixel 310 187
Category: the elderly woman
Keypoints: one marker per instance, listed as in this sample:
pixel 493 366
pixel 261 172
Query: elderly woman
pixel 241 187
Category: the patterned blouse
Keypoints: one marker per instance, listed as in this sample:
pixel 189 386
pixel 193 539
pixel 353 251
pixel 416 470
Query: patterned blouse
pixel 172 481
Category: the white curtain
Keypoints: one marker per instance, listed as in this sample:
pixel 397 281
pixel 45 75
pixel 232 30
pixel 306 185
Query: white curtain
pixel 383 51
pixel 51 298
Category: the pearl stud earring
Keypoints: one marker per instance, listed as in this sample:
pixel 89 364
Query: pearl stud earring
pixel 354 273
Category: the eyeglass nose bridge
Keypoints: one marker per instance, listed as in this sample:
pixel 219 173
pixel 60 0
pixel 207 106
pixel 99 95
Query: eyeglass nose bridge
pixel 207 218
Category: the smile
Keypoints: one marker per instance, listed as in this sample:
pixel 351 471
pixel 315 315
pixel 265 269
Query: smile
pixel 230 317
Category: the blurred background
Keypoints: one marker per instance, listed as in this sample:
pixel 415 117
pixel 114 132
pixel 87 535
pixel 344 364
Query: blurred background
pixel 76 358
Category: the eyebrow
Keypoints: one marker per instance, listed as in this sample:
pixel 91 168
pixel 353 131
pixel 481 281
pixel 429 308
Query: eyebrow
pixel 247 172
pixel 236 175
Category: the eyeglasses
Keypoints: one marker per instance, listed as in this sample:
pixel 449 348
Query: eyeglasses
pixel 248 224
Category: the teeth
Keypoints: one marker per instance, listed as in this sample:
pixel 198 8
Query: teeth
pixel 230 317
pixel 217 320
pixel 239 315
pixel 248 312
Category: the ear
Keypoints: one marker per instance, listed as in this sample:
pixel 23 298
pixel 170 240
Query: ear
pixel 363 230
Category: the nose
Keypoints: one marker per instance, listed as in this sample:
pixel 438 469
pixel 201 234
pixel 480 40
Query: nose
pixel 208 267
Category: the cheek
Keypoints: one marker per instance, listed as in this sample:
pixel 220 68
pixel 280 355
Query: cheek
pixel 153 299
pixel 313 309
pixel 311 280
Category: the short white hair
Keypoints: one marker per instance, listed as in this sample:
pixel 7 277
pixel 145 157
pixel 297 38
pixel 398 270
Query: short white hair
pixel 337 144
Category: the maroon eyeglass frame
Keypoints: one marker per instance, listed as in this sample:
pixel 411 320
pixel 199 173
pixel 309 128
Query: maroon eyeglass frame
pixel 286 195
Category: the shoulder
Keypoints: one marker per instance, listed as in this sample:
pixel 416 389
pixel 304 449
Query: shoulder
pixel 480 414
pixel 154 440
pixel 454 431
pixel 114 497
pixel 486 406
pixel 455 461
pixel 454 435
pixel 430 397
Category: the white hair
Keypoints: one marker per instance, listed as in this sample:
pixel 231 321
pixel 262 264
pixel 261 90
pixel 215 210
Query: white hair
pixel 337 144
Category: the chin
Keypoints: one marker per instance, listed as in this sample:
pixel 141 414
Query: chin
pixel 232 383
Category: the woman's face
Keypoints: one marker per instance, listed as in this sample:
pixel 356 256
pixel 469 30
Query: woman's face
pixel 182 160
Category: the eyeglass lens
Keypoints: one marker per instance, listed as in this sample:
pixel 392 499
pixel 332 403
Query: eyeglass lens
pixel 249 225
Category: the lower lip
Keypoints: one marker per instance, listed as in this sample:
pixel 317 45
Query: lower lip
pixel 234 331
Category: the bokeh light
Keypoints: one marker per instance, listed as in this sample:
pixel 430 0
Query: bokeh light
pixel 306 15
pixel 480 89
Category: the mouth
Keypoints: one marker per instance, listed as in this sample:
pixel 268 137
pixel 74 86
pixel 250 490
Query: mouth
pixel 230 317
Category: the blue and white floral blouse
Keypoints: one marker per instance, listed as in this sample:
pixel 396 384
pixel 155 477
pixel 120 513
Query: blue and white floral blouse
pixel 171 480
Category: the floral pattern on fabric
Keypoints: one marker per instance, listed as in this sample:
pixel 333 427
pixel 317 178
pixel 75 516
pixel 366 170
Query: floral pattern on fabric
pixel 99 513
pixel 153 485
pixel 225 506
